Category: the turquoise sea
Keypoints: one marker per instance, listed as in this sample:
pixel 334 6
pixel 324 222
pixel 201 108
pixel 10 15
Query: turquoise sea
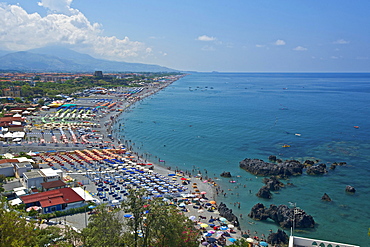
pixel 212 121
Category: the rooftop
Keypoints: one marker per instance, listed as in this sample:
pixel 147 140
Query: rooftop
pixel 53 197
pixel 53 184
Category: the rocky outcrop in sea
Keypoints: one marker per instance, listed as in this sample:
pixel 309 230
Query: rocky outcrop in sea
pixel 279 237
pixel 282 215
pixel 228 214
pixel 261 168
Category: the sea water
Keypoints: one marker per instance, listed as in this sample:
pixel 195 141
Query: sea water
pixel 208 122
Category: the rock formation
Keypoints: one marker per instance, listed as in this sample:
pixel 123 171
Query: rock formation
pixel 282 215
pixel 272 158
pixel 262 168
pixel 317 169
pixel 228 214
pixel 325 197
pixel 350 189
pixel 280 237
pixel 264 192
pixel 226 174
pixel 273 183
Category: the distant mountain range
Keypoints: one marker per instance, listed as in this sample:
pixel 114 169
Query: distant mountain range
pixel 58 59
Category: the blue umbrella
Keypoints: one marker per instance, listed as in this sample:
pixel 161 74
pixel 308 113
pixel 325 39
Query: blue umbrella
pixel 223 228
pixel 232 240
pixel 262 243
pixel 91 206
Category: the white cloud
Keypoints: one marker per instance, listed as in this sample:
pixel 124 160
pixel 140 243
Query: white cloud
pixel 206 38
pixel 58 6
pixel 300 48
pixel 341 42
pixel 260 46
pixel 279 42
pixel 64 25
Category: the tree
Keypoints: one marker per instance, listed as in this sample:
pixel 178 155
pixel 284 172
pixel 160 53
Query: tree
pixel 156 223
pixel 104 228
pixel 14 229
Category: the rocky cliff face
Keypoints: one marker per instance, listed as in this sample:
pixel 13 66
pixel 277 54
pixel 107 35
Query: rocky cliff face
pixel 283 215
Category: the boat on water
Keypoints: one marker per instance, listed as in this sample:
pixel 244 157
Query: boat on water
pixel 286 146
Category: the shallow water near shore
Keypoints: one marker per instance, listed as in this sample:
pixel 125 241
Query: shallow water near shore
pixel 209 122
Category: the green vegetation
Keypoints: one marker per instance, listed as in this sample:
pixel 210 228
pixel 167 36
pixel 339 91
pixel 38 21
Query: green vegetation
pixel 16 231
pixel 51 89
pixel 153 223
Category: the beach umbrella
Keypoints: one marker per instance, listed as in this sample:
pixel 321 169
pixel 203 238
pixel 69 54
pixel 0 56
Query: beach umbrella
pixel 203 225
pixel 224 228
pixel 230 226
pixel 222 219
pixel 128 215
pixel 262 243
pixel 200 211
pixel 212 202
pixel 205 243
pixel 211 231
pixel 250 240
pixel 192 218
pixel 232 240
pixel 33 208
pixel 203 192
pixel 183 179
pixel 211 240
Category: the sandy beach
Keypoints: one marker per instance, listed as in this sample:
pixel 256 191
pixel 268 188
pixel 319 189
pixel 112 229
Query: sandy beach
pixel 46 137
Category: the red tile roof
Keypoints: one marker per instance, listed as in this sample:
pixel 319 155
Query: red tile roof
pixel 53 197
pixel 53 184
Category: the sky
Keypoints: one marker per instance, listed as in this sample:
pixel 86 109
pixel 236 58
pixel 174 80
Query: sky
pixel 199 35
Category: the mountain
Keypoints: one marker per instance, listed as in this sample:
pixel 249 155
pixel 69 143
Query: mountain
pixel 2 53
pixel 58 59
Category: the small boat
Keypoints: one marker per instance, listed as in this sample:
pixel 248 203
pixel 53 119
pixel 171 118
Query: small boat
pixel 297 134
pixel 286 146
pixel 356 127
pixel 232 181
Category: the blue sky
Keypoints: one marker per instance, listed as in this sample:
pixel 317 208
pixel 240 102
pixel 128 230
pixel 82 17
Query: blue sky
pixel 199 35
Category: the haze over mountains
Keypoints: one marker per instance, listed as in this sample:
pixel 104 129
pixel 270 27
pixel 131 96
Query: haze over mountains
pixel 59 59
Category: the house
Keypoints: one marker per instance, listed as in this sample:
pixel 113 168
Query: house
pixel 14 91
pixel 36 178
pixel 32 179
pixel 54 200
pixel 7 169
pixel 14 167
pixel 57 184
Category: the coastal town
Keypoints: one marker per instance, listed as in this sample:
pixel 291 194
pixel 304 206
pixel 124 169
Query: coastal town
pixel 60 157
pixel 63 166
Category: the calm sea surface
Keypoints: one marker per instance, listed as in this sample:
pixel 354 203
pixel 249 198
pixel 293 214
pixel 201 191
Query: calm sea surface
pixel 212 121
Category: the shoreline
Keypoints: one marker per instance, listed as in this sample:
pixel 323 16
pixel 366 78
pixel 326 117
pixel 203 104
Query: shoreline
pixel 108 133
